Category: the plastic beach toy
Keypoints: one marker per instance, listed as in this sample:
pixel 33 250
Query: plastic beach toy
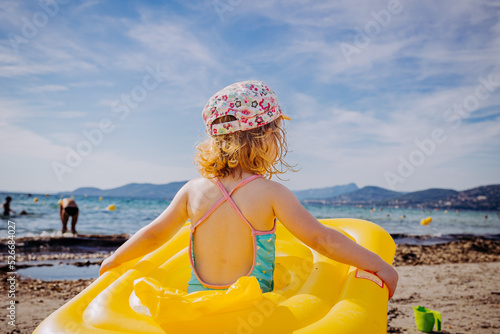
pixel 312 294
pixel 426 318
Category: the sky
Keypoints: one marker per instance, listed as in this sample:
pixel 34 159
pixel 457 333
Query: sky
pixel 403 95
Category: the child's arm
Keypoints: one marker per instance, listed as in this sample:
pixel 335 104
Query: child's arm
pixel 327 241
pixel 153 235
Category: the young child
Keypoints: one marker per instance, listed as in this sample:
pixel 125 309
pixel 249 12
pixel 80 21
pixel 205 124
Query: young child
pixel 233 207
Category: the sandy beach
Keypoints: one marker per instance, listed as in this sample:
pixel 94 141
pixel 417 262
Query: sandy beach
pixel 459 279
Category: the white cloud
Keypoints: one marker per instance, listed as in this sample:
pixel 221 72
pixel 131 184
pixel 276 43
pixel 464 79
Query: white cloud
pixel 25 110
pixel 19 142
pixel 172 41
pixel 362 145
pixel 87 4
pixel 28 162
pixel 46 88
pixel 12 109
pixel 436 44
pixel 107 170
pixel 69 114
pixel 39 59
pixel 97 83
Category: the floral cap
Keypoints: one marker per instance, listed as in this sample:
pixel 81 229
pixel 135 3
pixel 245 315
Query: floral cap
pixel 252 102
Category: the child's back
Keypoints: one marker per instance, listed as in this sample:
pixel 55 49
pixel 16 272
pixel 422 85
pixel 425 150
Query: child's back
pixel 223 244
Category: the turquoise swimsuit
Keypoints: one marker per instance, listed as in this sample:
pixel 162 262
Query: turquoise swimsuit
pixel 263 245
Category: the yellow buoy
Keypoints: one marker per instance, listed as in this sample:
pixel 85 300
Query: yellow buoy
pixel 111 207
pixel 100 198
pixel 35 199
pixel 426 221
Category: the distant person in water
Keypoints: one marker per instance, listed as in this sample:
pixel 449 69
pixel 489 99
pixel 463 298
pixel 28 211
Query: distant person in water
pixel 67 208
pixel 6 206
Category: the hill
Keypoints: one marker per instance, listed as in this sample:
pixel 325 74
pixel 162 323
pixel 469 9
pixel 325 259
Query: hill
pixel 426 198
pixel 148 190
pixel 365 195
pixel 479 198
pixel 142 190
pixel 91 191
pixel 323 193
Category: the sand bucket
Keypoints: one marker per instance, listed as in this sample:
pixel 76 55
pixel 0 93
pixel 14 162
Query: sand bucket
pixel 426 319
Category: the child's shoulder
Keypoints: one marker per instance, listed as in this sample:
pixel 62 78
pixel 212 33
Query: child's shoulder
pixel 274 188
pixel 196 184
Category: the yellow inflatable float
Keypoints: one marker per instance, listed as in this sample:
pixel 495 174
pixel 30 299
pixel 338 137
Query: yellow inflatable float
pixel 312 294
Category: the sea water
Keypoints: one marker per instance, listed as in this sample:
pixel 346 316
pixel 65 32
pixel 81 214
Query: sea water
pixel 133 213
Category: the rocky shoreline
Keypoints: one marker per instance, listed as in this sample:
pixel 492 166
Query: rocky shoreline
pixel 470 249
pixel 91 249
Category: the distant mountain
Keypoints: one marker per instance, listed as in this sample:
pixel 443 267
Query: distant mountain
pixel 366 195
pixel 91 191
pixel 480 198
pixel 323 193
pixel 142 190
pixel 427 197
pixel 148 190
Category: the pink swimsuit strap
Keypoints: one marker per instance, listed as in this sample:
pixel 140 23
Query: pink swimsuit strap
pixel 227 197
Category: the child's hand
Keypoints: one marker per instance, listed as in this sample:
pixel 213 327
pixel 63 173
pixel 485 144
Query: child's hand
pixel 390 277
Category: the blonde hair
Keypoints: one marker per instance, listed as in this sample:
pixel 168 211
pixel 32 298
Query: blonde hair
pixel 258 151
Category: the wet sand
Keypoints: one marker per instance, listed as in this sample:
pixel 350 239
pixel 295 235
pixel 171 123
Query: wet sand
pixel 459 279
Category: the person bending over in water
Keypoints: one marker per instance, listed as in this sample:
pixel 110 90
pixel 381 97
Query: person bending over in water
pixel 233 208
pixel 67 208
pixel 6 206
